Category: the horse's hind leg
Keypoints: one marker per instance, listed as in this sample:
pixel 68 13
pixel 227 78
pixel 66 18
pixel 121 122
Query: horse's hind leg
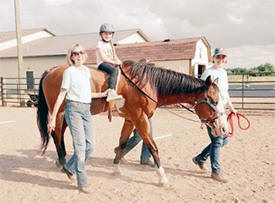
pixel 58 136
pixel 126 131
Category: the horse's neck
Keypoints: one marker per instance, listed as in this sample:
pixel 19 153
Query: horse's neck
pixel 178 88
pixel 190 98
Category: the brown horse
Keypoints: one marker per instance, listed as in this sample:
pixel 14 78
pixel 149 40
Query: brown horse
pixel 144 88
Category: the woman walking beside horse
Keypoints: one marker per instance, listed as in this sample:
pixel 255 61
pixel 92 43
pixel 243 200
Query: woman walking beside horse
pixel 216 72
pixel 76 87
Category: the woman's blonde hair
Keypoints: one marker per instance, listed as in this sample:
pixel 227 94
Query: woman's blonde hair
pixel 69 60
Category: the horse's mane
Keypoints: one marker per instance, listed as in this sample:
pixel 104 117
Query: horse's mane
pixel 165 81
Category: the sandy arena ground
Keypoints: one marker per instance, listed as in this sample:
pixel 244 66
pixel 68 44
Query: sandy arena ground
pixel 247 161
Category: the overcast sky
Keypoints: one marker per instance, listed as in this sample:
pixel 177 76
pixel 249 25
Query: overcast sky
pixel 245 28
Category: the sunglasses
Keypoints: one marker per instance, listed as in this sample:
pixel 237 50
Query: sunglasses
pixel 77 53
pixel 108 33
pixel 220 56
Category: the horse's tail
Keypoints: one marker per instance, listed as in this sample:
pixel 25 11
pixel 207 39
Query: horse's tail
pixel 42 115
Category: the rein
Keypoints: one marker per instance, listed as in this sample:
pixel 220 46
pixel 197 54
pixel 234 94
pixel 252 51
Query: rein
pixel 230 120
pixel 134 84
pixel 205 100
pixel 188 109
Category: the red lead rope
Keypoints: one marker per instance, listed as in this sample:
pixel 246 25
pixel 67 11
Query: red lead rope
pixel 230 120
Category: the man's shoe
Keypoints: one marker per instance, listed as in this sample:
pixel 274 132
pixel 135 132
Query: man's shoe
pixel 85 190
pixel 112 95
pixel 218 177
pixel 68 173
pixel 200 164
pixel 149 163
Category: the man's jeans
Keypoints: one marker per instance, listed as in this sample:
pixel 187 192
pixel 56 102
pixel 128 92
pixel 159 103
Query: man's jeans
pixel 134 140
pixel 213 150
pixel 79 120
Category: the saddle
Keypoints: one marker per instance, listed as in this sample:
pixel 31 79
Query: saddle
pixel 99 83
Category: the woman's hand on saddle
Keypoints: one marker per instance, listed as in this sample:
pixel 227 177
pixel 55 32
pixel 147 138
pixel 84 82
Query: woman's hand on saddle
pixel 100 94
pixel 51 125
pixel 105 93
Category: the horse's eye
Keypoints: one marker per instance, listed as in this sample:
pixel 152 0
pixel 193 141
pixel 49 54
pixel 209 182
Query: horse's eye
pixel 215 103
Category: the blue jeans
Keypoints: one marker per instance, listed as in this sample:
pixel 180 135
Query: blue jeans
pixel 134 140
pixel 79 120
pixel 110 69
pixel 213 150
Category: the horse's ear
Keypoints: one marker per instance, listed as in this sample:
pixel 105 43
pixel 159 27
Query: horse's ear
pixel 216 81
pixel 208 81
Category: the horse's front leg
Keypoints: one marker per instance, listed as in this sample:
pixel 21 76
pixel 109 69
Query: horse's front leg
pixel 126 131
pixel 143 128
pixel 58 136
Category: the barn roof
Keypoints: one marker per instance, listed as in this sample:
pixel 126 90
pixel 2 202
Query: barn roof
pixel 166 50
pixel 9 35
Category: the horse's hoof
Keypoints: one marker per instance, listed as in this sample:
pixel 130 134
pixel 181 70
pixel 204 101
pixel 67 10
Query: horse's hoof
pixel 60 164
pixel 116 161
pixel 117 173
pixel 117 170
pixel 57 163
pixel 164 182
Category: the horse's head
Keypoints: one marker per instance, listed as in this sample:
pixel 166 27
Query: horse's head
pixel 210 108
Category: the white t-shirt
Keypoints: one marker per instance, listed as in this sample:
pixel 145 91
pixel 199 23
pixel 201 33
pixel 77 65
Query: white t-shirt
pixel 223 81
pixel 77 83
pixel 106 48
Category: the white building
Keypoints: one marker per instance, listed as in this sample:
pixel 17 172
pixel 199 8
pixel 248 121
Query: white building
pixel 43 50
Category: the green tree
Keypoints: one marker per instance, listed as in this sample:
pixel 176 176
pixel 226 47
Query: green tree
pixel 263 69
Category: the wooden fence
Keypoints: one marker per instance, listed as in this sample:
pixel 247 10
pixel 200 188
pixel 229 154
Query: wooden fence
pixel 246 92
pixel 14 91
pixel 253 92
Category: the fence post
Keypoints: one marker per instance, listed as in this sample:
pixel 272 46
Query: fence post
pixel 2 90
pixel 20 92
pixel 243 91
pixel 29 80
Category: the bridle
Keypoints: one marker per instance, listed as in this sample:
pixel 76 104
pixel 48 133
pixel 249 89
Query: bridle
pixel 214 116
